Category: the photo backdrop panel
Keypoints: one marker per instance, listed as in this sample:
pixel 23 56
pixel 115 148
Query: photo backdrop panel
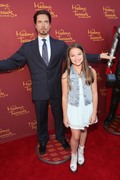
pixel 71 21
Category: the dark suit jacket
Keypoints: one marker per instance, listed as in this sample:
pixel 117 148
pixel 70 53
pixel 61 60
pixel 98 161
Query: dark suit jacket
pixel 46 81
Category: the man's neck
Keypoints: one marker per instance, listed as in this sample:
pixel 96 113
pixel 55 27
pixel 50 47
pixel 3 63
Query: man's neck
pixel 42 36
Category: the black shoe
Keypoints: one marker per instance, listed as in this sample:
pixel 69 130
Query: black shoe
pixel 108 120
pixel 42 149
pixel 65 144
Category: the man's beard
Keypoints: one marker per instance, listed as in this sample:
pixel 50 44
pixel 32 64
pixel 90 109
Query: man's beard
pixel 43 33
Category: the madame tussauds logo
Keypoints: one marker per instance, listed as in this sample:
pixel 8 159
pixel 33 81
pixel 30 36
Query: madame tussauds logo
pixel 80 12
pixel 24 36
pixel 2 94
pixel 5 133
pixel 99 78
pixel 65 36
pixel 5 11
pixel 95 35
pixel 28 85
pixel 17 110
pixel 103 91
pixel 109 12
pixel 33 124
pixel 41 5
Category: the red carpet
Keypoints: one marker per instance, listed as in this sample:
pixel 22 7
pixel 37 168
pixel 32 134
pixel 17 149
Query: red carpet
pixel 18 160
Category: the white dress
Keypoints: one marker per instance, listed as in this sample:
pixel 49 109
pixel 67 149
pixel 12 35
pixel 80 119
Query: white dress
pixel 79 117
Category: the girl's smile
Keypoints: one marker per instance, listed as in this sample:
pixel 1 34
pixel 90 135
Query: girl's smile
pixel 76 56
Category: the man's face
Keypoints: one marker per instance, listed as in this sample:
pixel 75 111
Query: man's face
pixel 42 25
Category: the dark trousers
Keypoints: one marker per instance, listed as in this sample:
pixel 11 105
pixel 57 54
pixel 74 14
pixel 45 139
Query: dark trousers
pixel 116 90
pixel 41 108
pixel 115 93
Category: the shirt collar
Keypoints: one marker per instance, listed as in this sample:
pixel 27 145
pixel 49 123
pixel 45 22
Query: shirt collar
pixel 47 38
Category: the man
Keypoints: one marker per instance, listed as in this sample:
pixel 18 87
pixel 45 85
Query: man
pixel 115 99
pixel 46 76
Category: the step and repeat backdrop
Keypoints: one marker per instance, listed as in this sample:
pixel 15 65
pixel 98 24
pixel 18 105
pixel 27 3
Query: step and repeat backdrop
pixel 88 22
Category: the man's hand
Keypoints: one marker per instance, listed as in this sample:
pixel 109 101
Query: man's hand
pixel 106 56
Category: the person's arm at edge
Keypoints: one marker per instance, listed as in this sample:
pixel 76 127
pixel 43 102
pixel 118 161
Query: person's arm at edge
pixel 64 99
pixel 95 97
pixel 14 62
pixel 95 58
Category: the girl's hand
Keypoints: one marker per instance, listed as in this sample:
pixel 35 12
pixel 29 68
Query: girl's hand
pixel 66 122
pixel 93 119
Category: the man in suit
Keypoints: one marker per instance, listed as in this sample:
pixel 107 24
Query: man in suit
pixel 46 76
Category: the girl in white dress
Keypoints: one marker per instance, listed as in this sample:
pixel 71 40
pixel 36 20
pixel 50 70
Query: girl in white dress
pixel 79 101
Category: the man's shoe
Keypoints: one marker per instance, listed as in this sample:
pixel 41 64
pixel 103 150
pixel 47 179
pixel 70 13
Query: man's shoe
pixel 109 119
pixel 42 149
pixel 65 144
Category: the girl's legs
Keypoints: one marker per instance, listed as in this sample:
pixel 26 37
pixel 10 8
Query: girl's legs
pixel 74 146
pixel 75 140
pixel 83 137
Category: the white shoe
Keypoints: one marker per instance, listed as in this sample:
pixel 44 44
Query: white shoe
pixel 81 158
pixel 73 163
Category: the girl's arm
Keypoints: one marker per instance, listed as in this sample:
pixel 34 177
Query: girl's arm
pixel 95 97
pixel 64 99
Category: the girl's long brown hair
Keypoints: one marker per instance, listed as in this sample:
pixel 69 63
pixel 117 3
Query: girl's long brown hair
pixel 89 79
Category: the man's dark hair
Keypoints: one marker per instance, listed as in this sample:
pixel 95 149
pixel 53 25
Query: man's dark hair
pixel 42 12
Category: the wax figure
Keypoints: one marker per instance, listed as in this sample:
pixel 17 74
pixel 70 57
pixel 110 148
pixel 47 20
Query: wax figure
pixel 46 76
pixel 116 88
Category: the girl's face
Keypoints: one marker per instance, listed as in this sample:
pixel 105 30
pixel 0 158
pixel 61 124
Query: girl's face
pixel 76 56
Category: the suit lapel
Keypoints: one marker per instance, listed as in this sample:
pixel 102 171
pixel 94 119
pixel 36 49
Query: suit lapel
pixel 37 53
pixel 36 48
pixel 53 49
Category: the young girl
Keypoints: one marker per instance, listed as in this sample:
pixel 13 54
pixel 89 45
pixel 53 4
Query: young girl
pixel 79 101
